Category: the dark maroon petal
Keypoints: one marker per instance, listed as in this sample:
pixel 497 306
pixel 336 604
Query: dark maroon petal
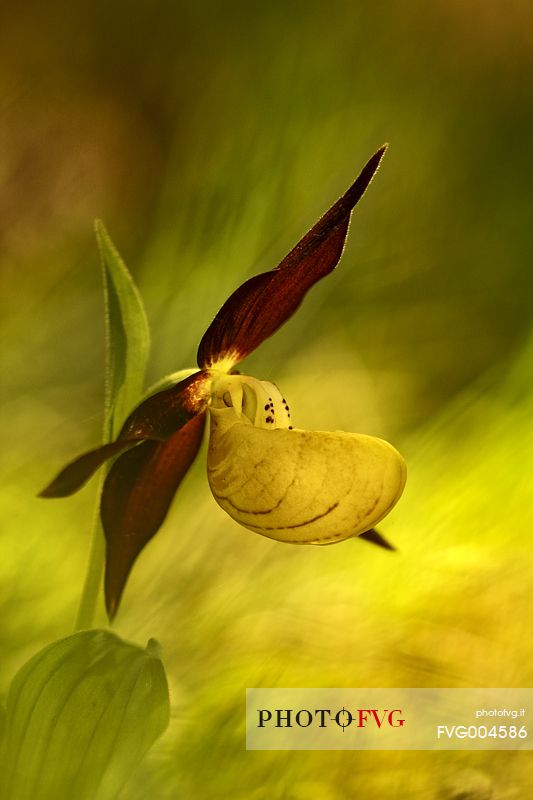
pixel 375 537
pixel 263 303
pixel 136 496
pixel 157 417
pixel 74 475
pixel 163 413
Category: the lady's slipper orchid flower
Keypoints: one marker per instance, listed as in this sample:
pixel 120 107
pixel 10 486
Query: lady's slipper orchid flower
pixel 302 487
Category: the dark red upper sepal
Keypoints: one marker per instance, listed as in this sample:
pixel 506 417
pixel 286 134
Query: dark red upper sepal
pixel 263 303
pixel 135 499
pixel 157 417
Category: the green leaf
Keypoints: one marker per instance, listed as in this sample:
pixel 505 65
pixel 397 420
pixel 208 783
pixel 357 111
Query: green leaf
pixel 80 715
pixel 127 336
pixel 127 348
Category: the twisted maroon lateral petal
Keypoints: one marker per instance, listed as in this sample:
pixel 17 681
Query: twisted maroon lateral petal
pixel 77 473
pixel 157 417
pixel 136 497
pixel 263 303
pixel 375 537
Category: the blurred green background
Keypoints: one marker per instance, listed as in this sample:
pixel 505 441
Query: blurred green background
pixel 209 136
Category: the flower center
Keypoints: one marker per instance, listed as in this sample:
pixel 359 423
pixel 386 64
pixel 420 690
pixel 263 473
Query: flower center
pixel 260 402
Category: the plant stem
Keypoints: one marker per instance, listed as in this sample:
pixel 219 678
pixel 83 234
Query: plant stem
pixel 93 577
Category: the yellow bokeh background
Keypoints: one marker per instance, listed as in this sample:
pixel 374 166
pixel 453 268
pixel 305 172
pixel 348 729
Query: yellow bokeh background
pixel 209 137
